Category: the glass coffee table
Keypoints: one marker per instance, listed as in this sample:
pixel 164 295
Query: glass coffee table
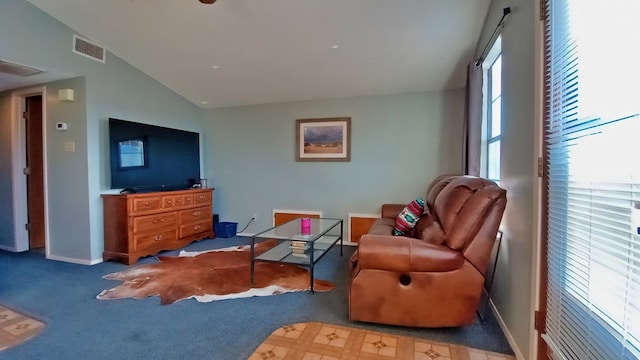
pixel 301 241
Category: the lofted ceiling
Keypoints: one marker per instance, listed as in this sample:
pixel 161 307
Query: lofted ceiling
pixel 241 52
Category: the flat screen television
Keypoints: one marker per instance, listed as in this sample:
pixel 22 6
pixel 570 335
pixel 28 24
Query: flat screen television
pixel 148 157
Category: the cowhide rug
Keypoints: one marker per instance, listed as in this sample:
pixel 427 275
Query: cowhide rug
pixel 209 276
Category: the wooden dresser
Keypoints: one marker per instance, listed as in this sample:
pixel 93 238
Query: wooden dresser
pixel 137 225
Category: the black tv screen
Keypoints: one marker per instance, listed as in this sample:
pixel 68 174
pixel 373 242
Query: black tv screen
pixel 147 157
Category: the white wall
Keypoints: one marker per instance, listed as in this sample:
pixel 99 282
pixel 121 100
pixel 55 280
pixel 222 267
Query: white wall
pixel 66 193
pixel 6 196
pixel 513 293
pixel 399 144
pixel 114 89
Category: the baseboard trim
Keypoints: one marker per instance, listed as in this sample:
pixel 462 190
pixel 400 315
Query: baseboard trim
pixel 60 258
pixel 8 248
pixel 74 260
pixel 245 234
pixel 507 333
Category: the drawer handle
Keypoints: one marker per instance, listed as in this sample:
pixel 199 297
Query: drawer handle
pixel 147 203
pixel 195 213
pixel 178 201
pixel 188 199
pixel 155 221
pixel 169 202
pixel 202 196
pixel 197 227
pixel 157 237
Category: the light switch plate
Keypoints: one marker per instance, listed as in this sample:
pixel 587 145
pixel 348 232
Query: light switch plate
pixel 69 146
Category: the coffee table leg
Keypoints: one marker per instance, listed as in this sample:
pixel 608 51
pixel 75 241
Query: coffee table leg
pixel 311 278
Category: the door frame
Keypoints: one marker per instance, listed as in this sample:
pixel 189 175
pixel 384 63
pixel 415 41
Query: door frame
pixel 19 161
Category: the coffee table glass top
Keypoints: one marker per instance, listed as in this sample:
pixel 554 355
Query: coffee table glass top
pixel 299 244
pixel 293 230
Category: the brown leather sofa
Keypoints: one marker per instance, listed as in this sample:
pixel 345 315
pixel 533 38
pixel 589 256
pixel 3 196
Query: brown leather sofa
pixel 433 276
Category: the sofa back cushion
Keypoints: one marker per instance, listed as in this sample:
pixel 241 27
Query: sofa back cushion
pixel 428 229
pixel 436 187
pixel 462 206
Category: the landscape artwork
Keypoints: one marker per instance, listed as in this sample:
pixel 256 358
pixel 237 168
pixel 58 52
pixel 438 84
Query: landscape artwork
pixel 325 139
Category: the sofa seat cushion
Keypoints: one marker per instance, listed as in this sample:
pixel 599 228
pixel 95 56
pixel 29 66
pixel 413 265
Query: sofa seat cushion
pixel 382 226
pixel 429 230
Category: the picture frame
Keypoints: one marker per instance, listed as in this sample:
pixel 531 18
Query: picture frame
pixel 325 139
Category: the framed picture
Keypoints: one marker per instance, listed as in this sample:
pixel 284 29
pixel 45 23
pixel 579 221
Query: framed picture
pixel 327 139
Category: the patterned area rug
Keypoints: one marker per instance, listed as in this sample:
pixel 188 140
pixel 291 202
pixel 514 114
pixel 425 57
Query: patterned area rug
pixel 318 341
pixel 16 328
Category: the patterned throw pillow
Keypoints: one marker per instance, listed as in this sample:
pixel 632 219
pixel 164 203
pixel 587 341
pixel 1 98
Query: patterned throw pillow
pixel 408 217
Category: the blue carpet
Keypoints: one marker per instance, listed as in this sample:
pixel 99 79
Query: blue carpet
pixel 78 326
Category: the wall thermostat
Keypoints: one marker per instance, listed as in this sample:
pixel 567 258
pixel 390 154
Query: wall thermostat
pixel 61 126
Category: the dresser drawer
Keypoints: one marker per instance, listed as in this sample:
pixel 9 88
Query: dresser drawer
pixel 146 204
pixel 195 228
pixel 188 200
pixel 156 239
pixel 179 201
pixel 195 215
pixel 151 222
pixel 169 202
pixel 203 197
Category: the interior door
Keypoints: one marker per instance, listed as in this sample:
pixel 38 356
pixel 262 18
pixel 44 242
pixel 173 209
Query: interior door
pixel 35 171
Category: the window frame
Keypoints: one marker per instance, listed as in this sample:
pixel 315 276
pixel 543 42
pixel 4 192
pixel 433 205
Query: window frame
pixel 579 209
pixel 488 115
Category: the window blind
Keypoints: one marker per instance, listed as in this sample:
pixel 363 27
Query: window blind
pixel 592 163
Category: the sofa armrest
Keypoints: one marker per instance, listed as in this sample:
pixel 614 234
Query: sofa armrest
pixel 392 210
pixel 404 254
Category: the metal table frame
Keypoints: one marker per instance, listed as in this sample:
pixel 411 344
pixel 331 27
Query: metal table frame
pixel 285 257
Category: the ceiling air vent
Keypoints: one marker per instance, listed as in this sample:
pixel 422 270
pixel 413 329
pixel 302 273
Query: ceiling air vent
pixel 8 67
pixel 84 47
